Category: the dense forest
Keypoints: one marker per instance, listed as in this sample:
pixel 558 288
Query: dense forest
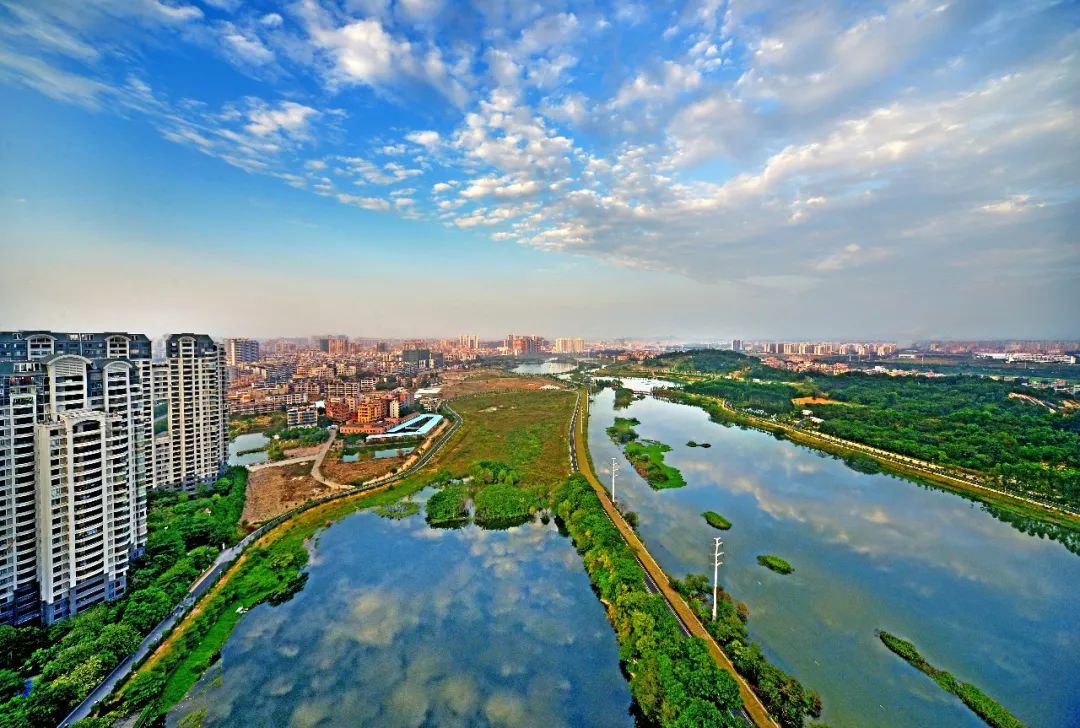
pixel 1025 439
pixel 674 680
pixel 785 697
pixel 68 659
pixel 969 422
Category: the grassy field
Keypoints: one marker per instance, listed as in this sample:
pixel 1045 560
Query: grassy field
pixel 481 381
pixel 524 429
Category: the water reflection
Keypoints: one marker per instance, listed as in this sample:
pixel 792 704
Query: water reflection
pixel 243 443
pixel 996 606
pixel 404 625
pixel 547 367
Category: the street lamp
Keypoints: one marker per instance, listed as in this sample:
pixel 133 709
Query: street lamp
pixel 614 472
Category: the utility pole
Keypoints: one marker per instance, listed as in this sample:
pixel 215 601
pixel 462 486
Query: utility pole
pixel 614 472
pixel 718 558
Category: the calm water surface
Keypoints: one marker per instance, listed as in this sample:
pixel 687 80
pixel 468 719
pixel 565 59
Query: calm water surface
pixel 994 606
pixel 547 367
pixel 400 624
pixel 249 441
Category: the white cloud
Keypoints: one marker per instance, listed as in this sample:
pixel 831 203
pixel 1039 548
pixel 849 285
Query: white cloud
pixel 248 47
pixel 672 80
pixel 503 188
pixel 375 204
pixel 289 118
pixel 1013 205
pixel 424 138
pixel 843 258
pixel 365 52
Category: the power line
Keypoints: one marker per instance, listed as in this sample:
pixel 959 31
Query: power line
pixel 718 559
pixel 614 472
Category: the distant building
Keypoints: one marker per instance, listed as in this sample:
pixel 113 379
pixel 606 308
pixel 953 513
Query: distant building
pixel 523 345
pixel 302 416
pixel 338 346
pixel 417 357
pixel 333 345
pixel 569 346
pixel 372 409
pixel 241 351
pixel 339 410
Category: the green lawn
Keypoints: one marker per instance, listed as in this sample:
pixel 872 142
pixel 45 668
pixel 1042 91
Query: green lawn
pixel 524 429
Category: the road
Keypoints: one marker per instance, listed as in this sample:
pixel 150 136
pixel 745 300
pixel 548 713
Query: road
pixel 280 463
pixel 316 467
pixel 151 640
pixel 229 555
pixel 656 579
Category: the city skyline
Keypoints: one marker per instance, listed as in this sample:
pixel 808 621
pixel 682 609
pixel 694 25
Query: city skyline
pixel 902 172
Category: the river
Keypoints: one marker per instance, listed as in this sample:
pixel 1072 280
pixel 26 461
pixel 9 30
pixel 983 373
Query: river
pixel 401 624
pixel 547 367
pixel 995 606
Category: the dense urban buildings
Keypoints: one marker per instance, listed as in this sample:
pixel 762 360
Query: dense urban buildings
pixel 81 415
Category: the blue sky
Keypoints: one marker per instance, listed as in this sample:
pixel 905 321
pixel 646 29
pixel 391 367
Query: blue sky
pixel 421 167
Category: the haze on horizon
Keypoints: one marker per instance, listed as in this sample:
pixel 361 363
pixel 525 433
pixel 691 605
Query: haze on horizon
pixel 407 168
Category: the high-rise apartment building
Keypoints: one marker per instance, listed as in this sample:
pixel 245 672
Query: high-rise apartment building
pixel 469 341
pixel 569 346
pixel 191 426
pixel 333 345
pixel 419 357
pixel 241 351
pixel 518 345
pixel 88 422
pixel 75 425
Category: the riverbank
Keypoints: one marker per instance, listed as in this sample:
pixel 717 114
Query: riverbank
pixel 871 550
pixel 1019 505
pixel 751 702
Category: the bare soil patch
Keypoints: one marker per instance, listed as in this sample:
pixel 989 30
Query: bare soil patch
pixel 815 400
pixel 345 473
pixel 272 491
pixel 303 452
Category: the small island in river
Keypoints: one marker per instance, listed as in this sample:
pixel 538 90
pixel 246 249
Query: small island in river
pixel 715 520
pixel 775 563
